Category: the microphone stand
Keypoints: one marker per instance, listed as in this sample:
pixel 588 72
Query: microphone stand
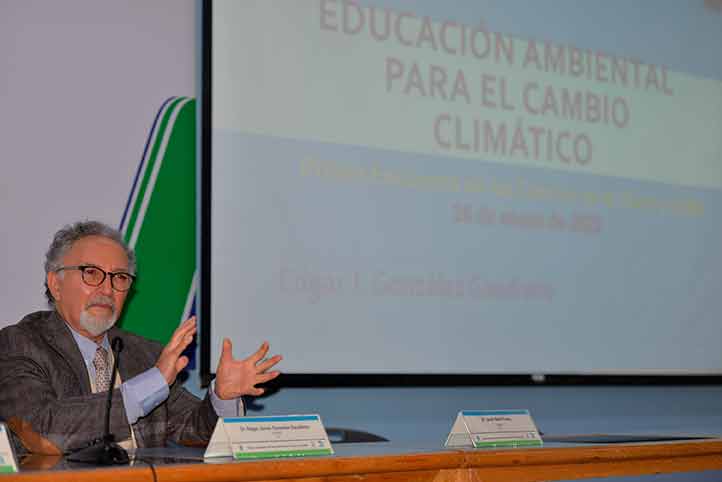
pixel 105 451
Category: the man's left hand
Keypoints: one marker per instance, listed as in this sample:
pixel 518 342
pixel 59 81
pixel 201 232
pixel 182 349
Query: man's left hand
pixel 235 378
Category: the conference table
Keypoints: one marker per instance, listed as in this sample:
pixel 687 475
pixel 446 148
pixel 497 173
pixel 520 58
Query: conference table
pixel 391 462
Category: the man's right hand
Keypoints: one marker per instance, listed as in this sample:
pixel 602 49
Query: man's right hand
pixel 170 362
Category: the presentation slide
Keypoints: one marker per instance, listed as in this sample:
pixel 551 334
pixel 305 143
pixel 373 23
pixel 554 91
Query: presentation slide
pixel 471 187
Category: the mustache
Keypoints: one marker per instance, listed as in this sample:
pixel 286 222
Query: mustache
pixel 101 300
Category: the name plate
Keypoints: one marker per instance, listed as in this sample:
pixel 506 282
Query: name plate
pixel 493 428
pixel 269 437
pixel 8 464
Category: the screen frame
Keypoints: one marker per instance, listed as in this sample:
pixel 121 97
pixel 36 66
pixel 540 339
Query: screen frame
pixel 351 380
pixel 204 194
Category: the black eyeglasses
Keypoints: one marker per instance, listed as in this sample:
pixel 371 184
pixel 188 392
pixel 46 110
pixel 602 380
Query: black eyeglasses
pixel 94 276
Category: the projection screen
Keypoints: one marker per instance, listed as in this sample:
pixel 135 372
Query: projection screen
pixel 472 187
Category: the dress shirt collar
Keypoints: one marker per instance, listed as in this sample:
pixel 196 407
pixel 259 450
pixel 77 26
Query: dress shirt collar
pixel 87 346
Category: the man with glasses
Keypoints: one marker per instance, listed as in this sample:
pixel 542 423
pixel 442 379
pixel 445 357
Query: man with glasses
pixel 56 365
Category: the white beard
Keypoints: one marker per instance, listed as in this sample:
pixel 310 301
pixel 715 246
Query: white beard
pixel 97 325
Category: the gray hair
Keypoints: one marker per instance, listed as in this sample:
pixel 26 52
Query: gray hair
pixel 69 234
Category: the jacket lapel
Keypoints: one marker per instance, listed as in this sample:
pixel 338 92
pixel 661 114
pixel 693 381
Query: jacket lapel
pixel 131 362
pixel 58 337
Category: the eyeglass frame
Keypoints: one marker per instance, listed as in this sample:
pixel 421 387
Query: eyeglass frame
pixel 113 274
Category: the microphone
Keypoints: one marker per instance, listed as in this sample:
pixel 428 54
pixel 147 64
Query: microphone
pixel 105 451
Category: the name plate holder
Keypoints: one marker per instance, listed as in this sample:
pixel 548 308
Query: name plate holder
pixel 493 428
pixel 8 462
pixel 269 437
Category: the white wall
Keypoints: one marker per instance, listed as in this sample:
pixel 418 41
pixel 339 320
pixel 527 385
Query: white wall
pixel 80 84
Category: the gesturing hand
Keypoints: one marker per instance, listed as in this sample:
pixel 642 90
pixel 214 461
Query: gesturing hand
pixel 170 362
pixel 235 378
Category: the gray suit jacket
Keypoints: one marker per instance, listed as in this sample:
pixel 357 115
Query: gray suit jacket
pixel 45 382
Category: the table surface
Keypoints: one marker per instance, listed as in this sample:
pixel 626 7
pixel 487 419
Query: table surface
pixel 390 462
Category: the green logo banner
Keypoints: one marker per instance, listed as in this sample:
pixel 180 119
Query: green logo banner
pixel 160 225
